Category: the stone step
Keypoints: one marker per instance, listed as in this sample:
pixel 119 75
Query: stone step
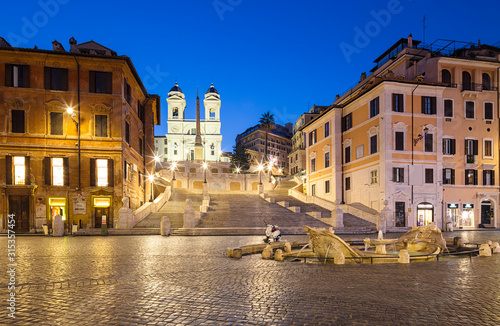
pixel 261 231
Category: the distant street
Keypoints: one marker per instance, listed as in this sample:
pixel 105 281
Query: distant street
pixel 154 280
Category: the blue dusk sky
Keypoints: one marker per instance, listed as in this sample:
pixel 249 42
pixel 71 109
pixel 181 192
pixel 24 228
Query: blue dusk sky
pixel 278 56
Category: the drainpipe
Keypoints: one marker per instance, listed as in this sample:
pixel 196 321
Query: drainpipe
pixel 498 111
pixel 342 188
pixel 79 127
pixel 412 138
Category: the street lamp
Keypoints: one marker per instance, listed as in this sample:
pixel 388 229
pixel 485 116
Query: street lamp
pixel 205 165
pixel 151 179
pixel 260 168
pixel 238 170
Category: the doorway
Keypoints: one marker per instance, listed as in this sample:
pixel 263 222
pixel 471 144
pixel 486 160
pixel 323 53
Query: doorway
pixel 99 212
pixel 19 206
pixel 425 214
pixel 487 213
pixel 400 213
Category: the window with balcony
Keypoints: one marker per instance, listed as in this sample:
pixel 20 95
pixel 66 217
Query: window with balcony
pixel 471 150
pixel 466 81
pixel 486 82
pixel 446 76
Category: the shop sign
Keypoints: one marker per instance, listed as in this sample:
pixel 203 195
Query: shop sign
pixel 79 205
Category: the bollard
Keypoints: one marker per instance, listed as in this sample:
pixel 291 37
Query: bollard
pixel 404 257
pixel 165 226
pixel 45 228
pixel 104 226
pixel 278 255
pixel 485 250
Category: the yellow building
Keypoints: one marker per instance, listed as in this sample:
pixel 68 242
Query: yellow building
pixel 420 134
pixel 77 135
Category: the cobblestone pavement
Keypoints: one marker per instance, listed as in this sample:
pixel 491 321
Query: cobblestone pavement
pixel 154 280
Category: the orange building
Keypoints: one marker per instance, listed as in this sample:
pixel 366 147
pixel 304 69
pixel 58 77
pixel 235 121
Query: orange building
pixel 419 134
pixel 77 135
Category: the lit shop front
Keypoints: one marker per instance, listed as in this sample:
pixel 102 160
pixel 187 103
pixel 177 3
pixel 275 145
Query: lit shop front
pixel 57 206
pixel 453 214
pixel 425 214
pixel 467 218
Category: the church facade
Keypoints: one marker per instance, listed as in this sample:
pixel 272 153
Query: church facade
pixel 179 143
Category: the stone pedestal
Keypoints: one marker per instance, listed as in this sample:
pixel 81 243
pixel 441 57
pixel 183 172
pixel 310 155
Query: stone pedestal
pixel 165 226
pixel 288 247
pixel 125 215
pixel 278 255
pixel 189 216
pixel 57 226
pixel 338 216
pixel 205 189
pixel 261 189
pixel 403 257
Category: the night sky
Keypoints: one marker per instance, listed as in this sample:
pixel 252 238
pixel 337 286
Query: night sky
pixel 277 56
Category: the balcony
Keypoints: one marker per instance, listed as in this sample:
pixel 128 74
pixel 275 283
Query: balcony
pixel 475 87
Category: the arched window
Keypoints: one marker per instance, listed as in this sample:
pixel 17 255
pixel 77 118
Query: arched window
pixel 212 114
pixel 446 76
pixel 466 81
pixel 175 113
pixel 486 82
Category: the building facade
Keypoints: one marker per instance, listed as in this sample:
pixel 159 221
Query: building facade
pixel 77 136
pixel 179 143
pixel 297 157
pixel 419 134
pixel 279 145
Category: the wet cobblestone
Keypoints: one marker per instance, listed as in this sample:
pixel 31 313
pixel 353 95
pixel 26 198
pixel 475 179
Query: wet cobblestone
pixel 153 280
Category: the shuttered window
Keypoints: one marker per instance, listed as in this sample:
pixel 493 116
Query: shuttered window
pixel 56 123
pixel 101 125
pixel 17 75
pixel 100 82
pixel 56 79
pixel 18 121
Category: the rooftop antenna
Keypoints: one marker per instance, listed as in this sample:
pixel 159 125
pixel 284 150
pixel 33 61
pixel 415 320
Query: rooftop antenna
pixel 424 30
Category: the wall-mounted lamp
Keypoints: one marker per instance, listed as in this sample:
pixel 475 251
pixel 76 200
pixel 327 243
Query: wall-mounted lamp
pixel 420 136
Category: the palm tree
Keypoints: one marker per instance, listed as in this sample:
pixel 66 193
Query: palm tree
pixel 267 123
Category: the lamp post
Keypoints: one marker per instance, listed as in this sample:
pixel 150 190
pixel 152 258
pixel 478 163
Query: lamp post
pixel 151 179
pixel 238 170
pixel 72 115
pixel 156 160
pixel 205 166
pixel 260 168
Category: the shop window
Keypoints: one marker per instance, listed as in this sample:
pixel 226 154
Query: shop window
pixel 400 214
pixel 467 219
pixel 397 103
pixel 17 75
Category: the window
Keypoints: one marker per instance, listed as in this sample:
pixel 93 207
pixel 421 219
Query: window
pixel 449 146
pixel 448 108
pixel 129 171
pixel 466 81
pixel 56 79
pixel 100 82
pixel 175 113
pixel 470 177
pixel 448 176
pixel 101 125
pixel 141 146
pixel 313 165
pixel 127 132
pixel 57 172
pixel 488 148
pixel 374 177
pixel 127 93
pixel 17 76
pixel 347 122
pixel 360 151
pixel 469 110
pixel 446 76
pixel 348 183
pixel 486 82
pixel 18 121
pixel 212 115
pixel 165 141
pixel 327 160
pixel 429 175
pixel 429 143
pixel 374 107
pixel 398 175
pixel 488 111
pixel 428 105
pixel 102 172
pixel 397 103
pixel 313 190
pixel 471 149
pixel 327 129
pixel 19 170
pixel 373 144
pixel 327 186
pixel 347 154
pixel 399 140
pixel 312 137
pixel 175 151
pixel 56 123
pixel 488 177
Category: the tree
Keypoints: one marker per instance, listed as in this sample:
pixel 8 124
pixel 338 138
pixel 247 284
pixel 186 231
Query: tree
pixel 239 158
pixel 267 123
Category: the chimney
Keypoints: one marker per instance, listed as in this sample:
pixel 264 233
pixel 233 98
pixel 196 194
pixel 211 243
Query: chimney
pixel 72 43
pixel 363 76
pixel 337 97
pixel 479 42
pixel 410 41
pixel 56 46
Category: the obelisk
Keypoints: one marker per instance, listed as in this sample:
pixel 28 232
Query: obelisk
pixel 198 146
